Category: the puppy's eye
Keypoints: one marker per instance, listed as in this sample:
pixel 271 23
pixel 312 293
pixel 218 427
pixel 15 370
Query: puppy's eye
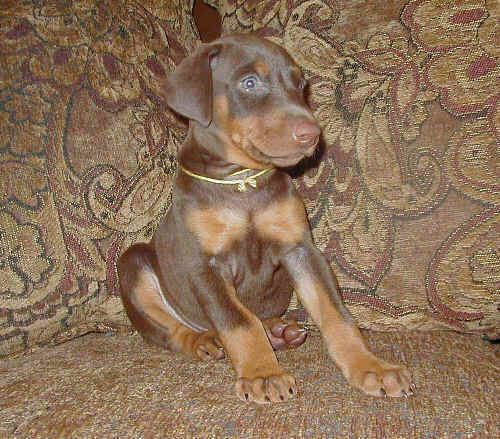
pixel 249 83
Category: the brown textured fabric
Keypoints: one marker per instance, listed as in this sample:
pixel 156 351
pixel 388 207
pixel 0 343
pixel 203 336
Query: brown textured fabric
pixel 406 199
pixel 118 387
pixel 87 155
pixel 208 21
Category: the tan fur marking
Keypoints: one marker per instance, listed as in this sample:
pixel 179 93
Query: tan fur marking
pixel 266 132
pixel 221 108
pixel 262 68
pixel 240 131
pixel 284 221
pixel 250 351
pixel 149 301
pixel 181 338
pixel 234 133
pixel 346 345
pixel 260 378
pixel 148 298
pixel 344 341
pixel 297 72
pixel 234 154
pixel 216 229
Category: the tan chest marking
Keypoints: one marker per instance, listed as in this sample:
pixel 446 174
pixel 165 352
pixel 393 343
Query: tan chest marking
pixel 216 229
pixel 284 221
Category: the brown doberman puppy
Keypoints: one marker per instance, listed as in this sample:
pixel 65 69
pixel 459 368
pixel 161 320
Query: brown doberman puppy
pixel 221 268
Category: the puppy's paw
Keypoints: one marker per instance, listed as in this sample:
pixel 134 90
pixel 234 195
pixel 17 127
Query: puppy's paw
pixel 284 334
pixel 265 390
pixel 377 378
pixel 208 347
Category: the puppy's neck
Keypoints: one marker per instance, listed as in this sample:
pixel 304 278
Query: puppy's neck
pixel 202 153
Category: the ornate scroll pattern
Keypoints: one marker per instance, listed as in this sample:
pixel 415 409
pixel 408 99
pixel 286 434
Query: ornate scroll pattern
pixel 87 155
pixel 408 105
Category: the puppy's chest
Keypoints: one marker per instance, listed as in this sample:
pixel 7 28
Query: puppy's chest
pixel 219 230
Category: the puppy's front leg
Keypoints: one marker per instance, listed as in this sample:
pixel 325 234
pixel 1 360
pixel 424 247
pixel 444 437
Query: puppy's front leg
pixel 259 376
pixel 318 292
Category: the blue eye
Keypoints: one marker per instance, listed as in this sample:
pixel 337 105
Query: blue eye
pixel 249 83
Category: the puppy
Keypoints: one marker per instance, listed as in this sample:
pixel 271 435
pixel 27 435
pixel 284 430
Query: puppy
pixel 221 267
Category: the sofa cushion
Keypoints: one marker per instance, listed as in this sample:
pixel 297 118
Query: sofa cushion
pixel 405 201
pixel 119 387
pixel 87 156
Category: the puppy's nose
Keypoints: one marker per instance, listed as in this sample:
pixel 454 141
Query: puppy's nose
pixel 306 132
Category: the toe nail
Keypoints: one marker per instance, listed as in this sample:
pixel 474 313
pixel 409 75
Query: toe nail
pixel 384 393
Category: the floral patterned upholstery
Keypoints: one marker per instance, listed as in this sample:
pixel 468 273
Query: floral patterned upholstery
pixel 87 155
pixel 405 201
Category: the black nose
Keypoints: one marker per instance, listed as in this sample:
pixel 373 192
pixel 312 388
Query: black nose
pixel 306 132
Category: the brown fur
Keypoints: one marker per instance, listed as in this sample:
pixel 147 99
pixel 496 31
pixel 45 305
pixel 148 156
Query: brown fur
pixel 221 267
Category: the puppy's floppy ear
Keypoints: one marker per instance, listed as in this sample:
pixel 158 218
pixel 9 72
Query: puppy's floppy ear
pixel 188 90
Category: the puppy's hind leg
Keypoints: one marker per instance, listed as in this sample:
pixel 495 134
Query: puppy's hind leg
pixel 146 309
pixel 284 333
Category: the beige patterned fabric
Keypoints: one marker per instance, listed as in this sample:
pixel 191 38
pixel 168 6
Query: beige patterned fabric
pixel 87 155
pixel 405 201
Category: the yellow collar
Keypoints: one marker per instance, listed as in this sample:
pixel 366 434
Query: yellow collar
pixel 251 180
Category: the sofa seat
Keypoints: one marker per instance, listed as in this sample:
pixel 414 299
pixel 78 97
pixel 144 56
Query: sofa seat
pixel 120 387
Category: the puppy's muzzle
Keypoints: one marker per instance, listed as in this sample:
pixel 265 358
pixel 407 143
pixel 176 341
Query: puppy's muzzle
pixel 306 135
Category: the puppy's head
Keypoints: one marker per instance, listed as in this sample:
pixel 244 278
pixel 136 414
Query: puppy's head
pixel 249 94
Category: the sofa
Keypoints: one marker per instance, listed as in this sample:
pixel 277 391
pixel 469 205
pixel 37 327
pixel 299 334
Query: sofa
pixel 402 198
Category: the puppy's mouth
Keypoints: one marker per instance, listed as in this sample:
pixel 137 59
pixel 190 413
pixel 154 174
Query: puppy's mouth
pixel 281 161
